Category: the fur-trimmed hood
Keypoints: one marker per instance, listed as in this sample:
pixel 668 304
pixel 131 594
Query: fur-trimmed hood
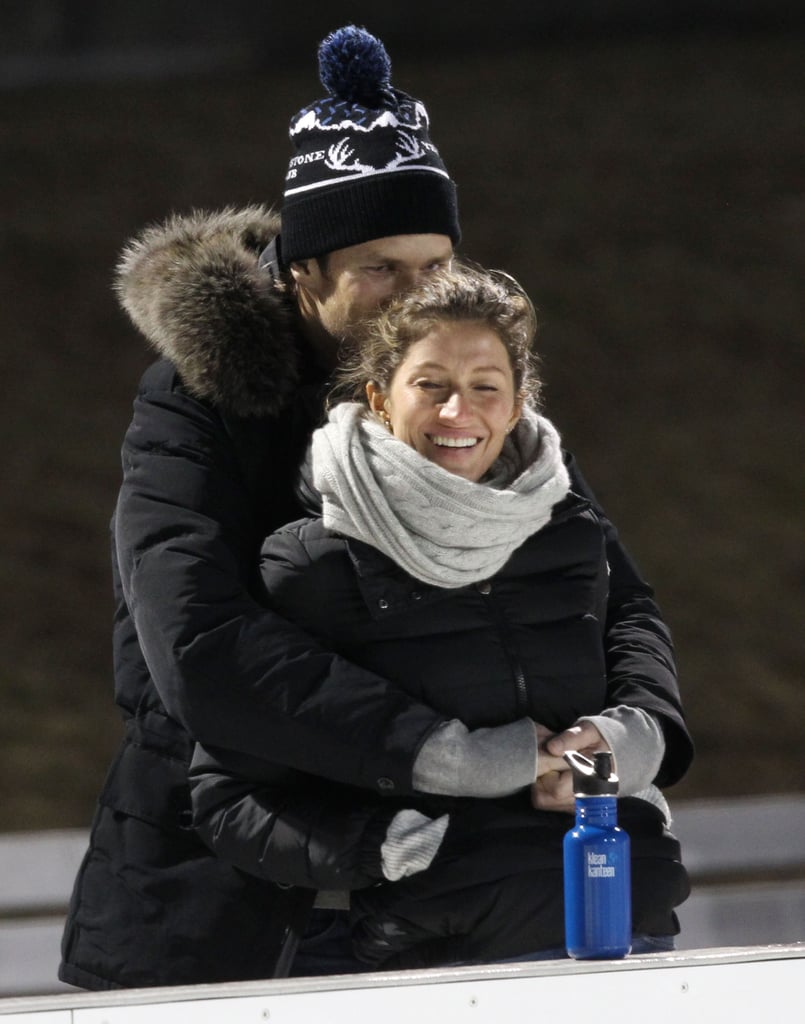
pixel 193 287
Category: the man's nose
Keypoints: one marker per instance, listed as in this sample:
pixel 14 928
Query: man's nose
pixel 408 279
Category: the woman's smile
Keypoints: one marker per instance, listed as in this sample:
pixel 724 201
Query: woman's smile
pixel 454 442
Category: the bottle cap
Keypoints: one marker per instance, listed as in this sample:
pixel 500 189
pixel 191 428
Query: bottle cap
pixel 592 776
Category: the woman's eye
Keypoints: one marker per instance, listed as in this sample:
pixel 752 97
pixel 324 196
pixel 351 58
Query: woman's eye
pixel 429 385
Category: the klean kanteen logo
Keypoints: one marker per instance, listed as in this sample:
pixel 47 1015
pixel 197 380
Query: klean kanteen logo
pixel 597 866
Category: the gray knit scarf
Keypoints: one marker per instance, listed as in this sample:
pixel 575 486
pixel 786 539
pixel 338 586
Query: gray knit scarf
pixel 439 527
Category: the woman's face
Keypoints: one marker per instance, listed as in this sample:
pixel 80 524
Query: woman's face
pixel 452 398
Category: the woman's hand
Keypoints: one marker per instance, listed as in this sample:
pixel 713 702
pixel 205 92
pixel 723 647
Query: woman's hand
pixel 553 790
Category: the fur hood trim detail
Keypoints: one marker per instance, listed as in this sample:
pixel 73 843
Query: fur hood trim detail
pixel 192 286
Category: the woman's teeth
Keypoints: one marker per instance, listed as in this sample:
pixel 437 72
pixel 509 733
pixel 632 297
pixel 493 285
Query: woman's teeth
pixel 455 442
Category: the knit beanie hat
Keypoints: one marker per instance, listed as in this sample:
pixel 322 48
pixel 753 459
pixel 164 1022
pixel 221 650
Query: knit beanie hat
pixel 364 165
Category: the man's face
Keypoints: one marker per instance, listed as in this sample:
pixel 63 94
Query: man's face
pixel 358 280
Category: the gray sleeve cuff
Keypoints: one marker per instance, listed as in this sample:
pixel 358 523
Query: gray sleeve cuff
pixel 635 738
pixel 412 841
pixel 483 763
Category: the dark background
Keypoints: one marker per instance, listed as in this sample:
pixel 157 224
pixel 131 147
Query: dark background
pixel 639 167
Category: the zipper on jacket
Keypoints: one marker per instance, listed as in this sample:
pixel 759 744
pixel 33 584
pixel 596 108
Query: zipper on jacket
pixel 521 691
pixel 520 687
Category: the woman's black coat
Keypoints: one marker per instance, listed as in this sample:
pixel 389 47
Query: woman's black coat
pixel 530 641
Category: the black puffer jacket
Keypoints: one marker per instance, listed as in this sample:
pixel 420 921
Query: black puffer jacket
pixel 530 641
pixel 220 424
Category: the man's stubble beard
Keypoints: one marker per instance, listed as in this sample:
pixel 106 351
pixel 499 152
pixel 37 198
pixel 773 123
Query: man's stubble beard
pixel 350 336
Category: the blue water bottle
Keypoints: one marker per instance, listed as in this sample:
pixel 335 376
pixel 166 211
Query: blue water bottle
pixel 598 893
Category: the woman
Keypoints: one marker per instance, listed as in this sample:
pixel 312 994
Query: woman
pixel 451 556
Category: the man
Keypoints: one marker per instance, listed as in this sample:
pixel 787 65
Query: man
pixel 248 315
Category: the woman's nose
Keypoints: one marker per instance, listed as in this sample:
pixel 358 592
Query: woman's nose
pixel 455 407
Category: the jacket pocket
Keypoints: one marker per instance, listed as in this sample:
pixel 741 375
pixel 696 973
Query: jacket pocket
pixel 150 785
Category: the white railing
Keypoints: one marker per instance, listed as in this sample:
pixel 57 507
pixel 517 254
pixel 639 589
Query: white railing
pixel 666 988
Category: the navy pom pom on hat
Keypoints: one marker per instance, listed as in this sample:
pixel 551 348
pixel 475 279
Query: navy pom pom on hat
pixel 364 166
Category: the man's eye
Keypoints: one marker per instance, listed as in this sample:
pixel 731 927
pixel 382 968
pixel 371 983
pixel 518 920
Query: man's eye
pixel 380 268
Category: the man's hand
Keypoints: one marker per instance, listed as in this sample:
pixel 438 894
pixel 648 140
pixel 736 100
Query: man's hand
pixel 547 762
pixel 553 790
